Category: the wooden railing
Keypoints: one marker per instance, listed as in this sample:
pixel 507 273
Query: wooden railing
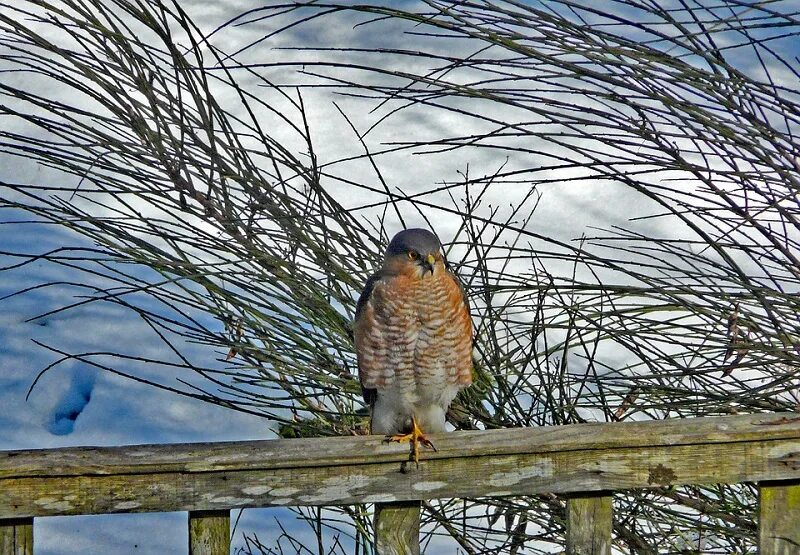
pixel 585 462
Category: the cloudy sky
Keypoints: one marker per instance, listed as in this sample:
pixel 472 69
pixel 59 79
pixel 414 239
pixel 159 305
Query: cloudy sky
pixel 75 404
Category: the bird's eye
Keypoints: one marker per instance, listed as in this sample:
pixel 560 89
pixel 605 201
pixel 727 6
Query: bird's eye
pixel 413 255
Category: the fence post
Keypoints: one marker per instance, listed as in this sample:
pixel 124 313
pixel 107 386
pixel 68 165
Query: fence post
pixel 209 533
pixel 779 518
pixel 589 524
pixel 16 536
pixel 397 528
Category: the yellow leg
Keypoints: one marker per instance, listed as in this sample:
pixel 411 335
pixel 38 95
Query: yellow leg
pixel 414 437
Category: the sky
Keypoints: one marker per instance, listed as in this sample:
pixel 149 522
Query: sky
pixel 75 404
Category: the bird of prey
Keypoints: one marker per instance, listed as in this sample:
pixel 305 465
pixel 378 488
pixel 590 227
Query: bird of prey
pixel 413 336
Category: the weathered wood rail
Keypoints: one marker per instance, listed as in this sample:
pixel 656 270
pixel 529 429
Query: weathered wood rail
pixel 585 462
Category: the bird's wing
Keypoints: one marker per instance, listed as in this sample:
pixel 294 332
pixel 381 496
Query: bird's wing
pixel 366 294
pixel 363 321
pixel 460 286
pixel 463 322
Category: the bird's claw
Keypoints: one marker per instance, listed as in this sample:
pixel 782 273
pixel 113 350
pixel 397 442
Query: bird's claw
pixel 415 437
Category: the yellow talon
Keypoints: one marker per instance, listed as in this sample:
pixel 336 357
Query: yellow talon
pixel 414 437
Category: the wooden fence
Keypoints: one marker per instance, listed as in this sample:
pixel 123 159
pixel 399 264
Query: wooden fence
pixel 586 463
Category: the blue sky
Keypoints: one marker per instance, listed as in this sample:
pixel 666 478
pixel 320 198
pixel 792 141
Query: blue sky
pixel 74 404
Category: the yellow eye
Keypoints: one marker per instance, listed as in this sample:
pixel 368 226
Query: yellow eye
pixel 412 255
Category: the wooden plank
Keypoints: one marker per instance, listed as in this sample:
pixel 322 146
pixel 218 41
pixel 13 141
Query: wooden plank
pixel 296 453
pixel 589 522
pixel 779 518
pixel 397 528
pixel 367 470
pixel 209 533
pixel 16 536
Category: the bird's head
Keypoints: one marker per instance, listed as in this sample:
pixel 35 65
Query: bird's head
pixel 415 252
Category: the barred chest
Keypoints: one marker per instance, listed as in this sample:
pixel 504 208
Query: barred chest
pixel 421 305
pixel 416 337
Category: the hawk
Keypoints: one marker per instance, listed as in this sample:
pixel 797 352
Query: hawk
pixel 413 336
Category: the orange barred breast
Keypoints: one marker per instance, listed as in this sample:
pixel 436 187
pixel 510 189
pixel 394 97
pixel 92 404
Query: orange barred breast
pixel 415 333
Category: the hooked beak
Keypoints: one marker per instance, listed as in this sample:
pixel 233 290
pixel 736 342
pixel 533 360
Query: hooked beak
pixel 428 263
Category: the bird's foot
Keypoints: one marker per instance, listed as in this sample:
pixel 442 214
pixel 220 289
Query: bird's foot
pixel 415 437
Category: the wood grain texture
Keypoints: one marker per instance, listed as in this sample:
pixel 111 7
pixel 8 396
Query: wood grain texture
pixel 16 536
pixel 397 528
pixel 347 470
pixel 589 522
pixel 779 518
pixel 209 533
